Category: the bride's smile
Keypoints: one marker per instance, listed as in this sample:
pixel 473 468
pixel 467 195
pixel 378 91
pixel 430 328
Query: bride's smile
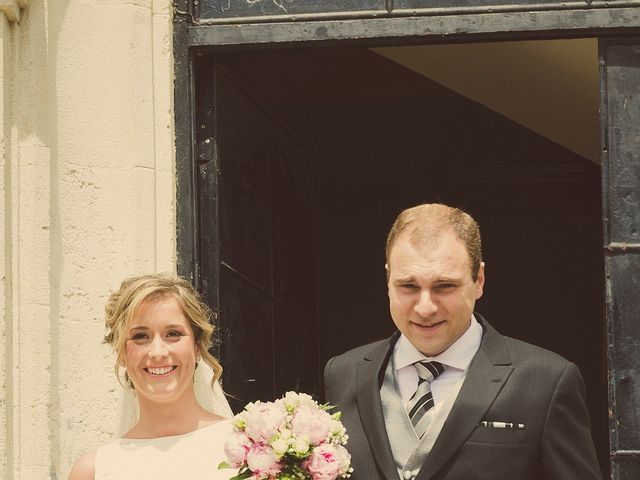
pixel 160 371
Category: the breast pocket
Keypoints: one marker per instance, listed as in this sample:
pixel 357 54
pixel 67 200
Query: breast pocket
pixel 502 436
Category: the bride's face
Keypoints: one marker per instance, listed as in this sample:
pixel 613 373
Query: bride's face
pixel 160 351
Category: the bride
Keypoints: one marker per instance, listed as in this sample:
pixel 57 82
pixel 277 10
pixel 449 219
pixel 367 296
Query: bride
pixel 160 330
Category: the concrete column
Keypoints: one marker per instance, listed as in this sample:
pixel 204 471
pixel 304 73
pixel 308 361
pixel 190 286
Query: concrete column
pixel 26 250
pixel 5 270
pixel 86 199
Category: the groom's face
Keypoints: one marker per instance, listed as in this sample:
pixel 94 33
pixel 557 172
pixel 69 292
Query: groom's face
pixel 431 291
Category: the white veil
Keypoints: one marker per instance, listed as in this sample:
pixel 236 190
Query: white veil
pixel 210 399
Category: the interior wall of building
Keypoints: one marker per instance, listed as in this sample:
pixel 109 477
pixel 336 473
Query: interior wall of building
pixel 549 86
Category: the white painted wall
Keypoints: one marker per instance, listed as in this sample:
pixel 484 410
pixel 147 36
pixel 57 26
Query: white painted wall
pixel 87 197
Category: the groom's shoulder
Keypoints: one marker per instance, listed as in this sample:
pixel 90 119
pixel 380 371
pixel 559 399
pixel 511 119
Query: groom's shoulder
pixel 360 352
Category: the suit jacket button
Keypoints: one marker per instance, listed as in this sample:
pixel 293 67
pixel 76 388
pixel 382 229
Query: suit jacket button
pixel 407 475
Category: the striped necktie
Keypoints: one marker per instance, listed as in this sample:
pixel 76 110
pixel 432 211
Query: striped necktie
pixel 422 401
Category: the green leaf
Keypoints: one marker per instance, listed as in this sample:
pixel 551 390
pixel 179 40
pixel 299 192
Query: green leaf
pixel 224 465
pixel 242 475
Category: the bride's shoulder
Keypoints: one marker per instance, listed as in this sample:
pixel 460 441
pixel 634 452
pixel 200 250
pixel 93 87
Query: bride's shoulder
pixel 219 424
pixel 84 468
pixel 209 418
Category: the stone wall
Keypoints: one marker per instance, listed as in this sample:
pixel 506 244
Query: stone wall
pixel 86 199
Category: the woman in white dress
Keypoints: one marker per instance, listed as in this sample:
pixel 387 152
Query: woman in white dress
pixel 161 331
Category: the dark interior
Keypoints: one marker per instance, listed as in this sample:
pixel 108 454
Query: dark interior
pixel 318 151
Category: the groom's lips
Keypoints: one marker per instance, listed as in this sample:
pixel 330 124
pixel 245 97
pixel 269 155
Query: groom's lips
pixel 428 327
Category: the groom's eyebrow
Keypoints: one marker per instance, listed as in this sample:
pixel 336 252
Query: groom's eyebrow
pixel 407 279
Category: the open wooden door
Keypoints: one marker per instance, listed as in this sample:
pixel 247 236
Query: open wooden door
pixel 256 243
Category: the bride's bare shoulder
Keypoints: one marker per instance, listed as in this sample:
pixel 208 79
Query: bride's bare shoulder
pixel 84 468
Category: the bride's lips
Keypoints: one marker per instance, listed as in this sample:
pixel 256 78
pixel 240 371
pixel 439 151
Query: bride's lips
pixel 161 370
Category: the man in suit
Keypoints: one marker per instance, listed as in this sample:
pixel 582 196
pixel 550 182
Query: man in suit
pixel 447 397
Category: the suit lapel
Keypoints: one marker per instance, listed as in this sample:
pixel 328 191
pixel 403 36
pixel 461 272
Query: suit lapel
pixel 488 372
pixel 370 406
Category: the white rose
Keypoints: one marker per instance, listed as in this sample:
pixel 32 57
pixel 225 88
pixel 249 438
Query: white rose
pixel 301 446
pixel 280 447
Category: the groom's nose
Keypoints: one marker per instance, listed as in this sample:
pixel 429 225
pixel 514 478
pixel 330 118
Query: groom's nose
pixel 425 303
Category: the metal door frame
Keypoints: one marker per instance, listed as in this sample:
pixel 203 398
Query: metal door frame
pixel 617 27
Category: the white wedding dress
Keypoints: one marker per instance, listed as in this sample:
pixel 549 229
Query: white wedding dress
pixel 194 456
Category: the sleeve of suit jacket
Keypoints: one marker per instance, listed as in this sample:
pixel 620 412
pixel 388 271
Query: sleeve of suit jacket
pixel 567 451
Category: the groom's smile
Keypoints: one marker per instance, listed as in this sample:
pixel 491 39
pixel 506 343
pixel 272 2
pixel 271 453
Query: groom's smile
pixel 428 326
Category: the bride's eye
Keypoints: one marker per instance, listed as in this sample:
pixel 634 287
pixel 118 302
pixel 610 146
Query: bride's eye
pixel 139 337
pixel 175 334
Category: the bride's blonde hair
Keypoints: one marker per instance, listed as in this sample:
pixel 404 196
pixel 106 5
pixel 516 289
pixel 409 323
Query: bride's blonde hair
pixel 123 304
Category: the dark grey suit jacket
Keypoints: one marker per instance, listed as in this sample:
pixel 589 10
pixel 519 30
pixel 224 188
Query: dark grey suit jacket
pixel 507 381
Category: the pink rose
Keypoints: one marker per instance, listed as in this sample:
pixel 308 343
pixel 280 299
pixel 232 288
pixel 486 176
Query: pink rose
pixel 236 448
pixel 327 462
pixel 263 421
pixel 313 423
pixel 261 460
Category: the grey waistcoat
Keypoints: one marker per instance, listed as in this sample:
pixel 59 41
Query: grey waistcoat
pixel 409 452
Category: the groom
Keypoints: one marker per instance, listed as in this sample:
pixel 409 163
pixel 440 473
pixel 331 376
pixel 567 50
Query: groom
pixel 447 396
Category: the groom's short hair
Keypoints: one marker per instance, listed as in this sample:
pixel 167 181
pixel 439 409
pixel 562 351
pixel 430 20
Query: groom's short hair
pixel 426 222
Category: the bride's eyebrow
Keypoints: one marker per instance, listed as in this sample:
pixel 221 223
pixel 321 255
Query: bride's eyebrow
pixel 176 326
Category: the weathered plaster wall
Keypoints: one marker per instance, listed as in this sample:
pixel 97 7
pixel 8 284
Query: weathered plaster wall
pixel 87 197
pixel 5 301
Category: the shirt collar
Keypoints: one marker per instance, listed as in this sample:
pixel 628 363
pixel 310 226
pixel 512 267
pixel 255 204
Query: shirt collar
pixel 458 355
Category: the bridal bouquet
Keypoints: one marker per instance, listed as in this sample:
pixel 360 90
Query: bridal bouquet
pixel 293 438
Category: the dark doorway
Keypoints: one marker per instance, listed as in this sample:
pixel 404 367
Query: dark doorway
pixel 366 138
pixel 257 243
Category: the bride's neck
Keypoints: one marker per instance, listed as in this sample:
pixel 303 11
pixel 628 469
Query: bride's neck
pixel 171 418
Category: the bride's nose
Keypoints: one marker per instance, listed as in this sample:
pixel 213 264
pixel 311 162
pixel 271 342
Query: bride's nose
pixel 158 348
